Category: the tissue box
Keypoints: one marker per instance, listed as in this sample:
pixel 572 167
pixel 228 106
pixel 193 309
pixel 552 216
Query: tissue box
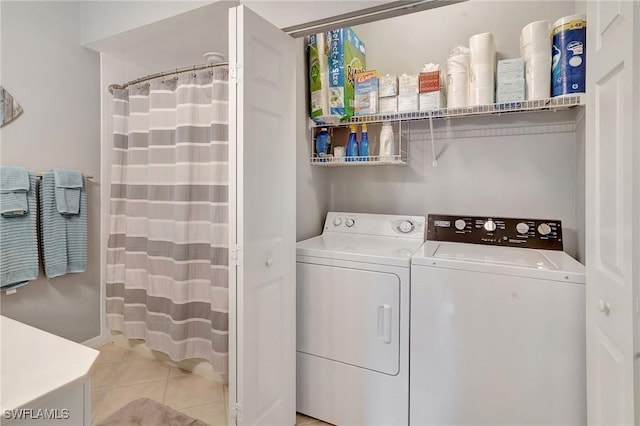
pixel 388 105
pixel 408 102
pixel 510 69
pixel 432 100
pixel 346 58
pixel 408 84
pixel 318 77
pixel 510 91
pixel 388 86
pixel 366 92
pixel 429 81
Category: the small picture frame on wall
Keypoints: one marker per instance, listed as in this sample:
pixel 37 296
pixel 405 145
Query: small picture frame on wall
pixel 10 109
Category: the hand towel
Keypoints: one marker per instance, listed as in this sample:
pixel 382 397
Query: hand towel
pixel 64 237
pixel 13 179
pixel 13 203
pixel 67 191
pixel 19 244
pixel 14 184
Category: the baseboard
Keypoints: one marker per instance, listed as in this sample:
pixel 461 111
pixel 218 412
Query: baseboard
pixel 97 341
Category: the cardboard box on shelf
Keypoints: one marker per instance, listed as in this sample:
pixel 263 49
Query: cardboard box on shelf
pixel 429 81
pixel 388 105
pixel 346 58
pixel 366 92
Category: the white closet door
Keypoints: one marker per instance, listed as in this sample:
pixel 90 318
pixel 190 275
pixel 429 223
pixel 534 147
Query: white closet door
pixel 612 208
pixel 263 205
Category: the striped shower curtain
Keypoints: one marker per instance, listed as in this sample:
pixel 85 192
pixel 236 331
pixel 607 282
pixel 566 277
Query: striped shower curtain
pixel 167 267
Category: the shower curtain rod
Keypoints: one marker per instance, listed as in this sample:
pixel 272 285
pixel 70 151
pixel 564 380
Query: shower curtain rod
pixel 164 74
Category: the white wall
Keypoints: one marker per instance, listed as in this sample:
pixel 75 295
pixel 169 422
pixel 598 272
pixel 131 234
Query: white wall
pixel 103 19
pixel 57 83
pixel 405 43
pixel 531 173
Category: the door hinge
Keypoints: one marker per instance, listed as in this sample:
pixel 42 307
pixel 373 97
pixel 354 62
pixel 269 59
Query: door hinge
pixel 236 254
pixel 235 72
pixel 236 413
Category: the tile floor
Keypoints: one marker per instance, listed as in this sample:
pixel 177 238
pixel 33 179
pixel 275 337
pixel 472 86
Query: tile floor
pixel 121 376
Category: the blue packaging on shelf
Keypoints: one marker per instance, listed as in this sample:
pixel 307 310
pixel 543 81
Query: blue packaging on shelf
pixel 569 55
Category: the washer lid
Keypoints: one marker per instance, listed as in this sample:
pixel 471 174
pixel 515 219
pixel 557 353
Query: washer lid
pixel 547 264
pixel 392 251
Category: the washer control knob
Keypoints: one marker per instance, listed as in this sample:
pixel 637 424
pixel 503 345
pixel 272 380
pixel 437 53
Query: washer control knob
pixel 337 221
pixel 544 229
pixel 406 226
pixel 350 222
pixel 460 224
pixel 522 228
pixel 490 225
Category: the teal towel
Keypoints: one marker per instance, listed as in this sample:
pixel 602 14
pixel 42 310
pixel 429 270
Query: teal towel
pixel 14 179
pixel 67 192
pixel 13 203
pixel 64 237
pixel 14 184
pixel 19 244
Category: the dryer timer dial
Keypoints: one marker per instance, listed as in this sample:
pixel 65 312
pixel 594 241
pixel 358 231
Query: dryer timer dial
pixel 406 227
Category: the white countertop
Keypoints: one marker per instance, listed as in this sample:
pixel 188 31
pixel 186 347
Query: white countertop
pixel 34 364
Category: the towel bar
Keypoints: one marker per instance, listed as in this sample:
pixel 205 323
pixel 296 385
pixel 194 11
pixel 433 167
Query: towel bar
pixel 39 175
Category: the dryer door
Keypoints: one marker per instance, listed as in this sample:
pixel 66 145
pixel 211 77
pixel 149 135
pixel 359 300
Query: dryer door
pixel 349 315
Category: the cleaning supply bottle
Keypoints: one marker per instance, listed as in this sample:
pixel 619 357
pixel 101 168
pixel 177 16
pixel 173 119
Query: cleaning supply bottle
pixel 352 144
pixel 387 146
pixel 323 143
pixel 364 144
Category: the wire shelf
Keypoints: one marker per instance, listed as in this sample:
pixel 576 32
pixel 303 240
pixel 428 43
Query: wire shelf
pixel 394 160
pixel 549 104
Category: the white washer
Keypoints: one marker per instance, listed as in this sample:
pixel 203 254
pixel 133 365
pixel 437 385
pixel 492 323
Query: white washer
pixel 353 319
pixel 497 331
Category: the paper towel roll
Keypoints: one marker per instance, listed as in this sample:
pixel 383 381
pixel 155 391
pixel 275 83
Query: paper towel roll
pixel 458 82
pixel 538 88
pixel 536 49
pixel 535 32
pixel 457 99
pixel 458 89
pixel 535 62
pixel 537 76
pixel 569 55
pixel 482 66
pixel 481 96
pixel 481 43
pixel 457 64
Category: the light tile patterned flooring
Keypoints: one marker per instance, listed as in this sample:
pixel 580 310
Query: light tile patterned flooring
pixel 121 376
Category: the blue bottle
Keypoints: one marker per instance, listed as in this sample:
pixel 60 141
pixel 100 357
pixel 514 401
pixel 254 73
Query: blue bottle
pixel 323 143
pixel 364 144
pixel 352 145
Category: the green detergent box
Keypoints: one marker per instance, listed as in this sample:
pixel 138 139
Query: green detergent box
pixel 318 52
pixel 346 58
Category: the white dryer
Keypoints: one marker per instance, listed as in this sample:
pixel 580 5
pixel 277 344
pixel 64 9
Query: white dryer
pixel 497 329
pixel 353 319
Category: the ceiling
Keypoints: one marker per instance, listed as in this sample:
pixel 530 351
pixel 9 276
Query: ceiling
pixel 180 40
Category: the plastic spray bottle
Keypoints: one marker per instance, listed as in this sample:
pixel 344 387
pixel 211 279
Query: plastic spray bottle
pixel 364 144
pixel 352 144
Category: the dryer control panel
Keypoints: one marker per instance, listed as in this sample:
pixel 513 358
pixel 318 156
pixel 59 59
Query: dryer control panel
pixel 375 224
pixel 499 231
